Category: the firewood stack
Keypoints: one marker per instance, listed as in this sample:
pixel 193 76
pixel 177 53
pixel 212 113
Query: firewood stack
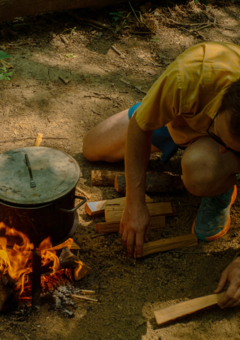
pixel 112 209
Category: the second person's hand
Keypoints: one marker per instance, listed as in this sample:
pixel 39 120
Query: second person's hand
pixel 135 227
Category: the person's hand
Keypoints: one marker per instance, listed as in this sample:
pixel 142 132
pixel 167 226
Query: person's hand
pixel 135 227
pixel 232 275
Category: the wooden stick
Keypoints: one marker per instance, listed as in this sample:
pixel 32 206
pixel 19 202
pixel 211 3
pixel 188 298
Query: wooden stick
pixel 38 140
pixel 87 292
pixel 134 12
pixel 104 178
pixel 83 297
pixel 156 223
pixel 64 39
pixel 91 21
pixel 113 213
pixel 114 49
pixel 170 243
pixel 164 182
pixel 183 24
pixel 83 193
pixel 97 208
pixel 139 90
pixel 186 307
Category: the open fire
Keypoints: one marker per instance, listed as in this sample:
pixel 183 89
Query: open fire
pixel 16 262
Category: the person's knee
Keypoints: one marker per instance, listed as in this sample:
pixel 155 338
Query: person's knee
pixel 88 149
pixel 198 173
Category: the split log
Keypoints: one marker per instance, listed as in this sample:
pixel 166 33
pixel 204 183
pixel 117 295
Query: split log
pixel 186 307
pixel 68 260
pixel 113 213
pixel 104 178
pixel 156 223
pixel 97 208
pixel 168 244
pixel 75 246
pixel 21 8
pixel 81 271
pixel 164 182
pixel 8 297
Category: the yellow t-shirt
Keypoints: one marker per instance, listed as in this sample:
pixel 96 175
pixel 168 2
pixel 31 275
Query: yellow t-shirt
pixel 188 94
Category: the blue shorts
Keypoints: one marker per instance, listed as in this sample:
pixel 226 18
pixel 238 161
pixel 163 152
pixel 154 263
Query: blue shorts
pixel 161 138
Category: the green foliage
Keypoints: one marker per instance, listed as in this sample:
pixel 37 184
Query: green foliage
pixel 4 74
pixel 116 17
pixel 155 39
pixel 4 55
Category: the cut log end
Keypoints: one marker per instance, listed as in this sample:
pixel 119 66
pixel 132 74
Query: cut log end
pixel 104 178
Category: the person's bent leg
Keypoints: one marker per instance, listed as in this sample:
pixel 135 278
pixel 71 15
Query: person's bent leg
pixel 210 174
pixel 106 141
pixel 206 171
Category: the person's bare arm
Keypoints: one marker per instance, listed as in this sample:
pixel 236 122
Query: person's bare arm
pixel 135 221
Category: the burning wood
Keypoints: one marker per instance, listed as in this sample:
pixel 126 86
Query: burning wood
pixel 8 297
pixel 68 260
pixel 16 264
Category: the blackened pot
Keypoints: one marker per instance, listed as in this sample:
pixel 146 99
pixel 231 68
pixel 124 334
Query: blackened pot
pixel 38 222
pixel 47 209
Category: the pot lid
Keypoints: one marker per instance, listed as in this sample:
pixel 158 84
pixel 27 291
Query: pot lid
pixel 54 172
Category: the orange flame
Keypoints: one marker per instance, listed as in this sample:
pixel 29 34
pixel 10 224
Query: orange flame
pixel 17 261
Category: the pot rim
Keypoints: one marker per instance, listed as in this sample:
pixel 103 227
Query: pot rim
pixel 26 206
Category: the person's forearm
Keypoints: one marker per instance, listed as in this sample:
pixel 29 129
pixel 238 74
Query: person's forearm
pixel 138 148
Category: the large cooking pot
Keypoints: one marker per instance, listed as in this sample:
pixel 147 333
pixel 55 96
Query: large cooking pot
pixel 44 205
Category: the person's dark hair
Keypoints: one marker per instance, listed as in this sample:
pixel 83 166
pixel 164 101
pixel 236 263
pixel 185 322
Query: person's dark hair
pixel 231 103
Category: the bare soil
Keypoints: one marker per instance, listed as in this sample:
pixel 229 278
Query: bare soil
pixel 36 99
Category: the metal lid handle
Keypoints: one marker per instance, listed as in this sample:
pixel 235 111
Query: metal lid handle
pixel 75 208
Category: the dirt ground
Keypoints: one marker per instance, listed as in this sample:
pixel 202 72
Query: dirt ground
pixel 64 88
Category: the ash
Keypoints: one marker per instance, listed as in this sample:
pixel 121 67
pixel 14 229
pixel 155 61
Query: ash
pixel 62 298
